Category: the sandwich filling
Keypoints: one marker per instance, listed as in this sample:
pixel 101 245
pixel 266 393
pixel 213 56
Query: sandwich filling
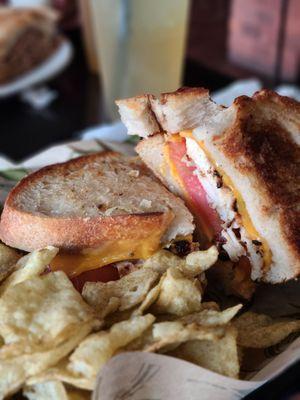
pixel 114 259
pixel 73 264
pixel 222 210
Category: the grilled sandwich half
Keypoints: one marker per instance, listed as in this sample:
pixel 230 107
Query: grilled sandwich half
pixel 98 210
pixel 237 168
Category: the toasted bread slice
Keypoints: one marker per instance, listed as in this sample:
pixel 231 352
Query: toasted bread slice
pixel 255 142
pixel 259 151
pixel 138 117
pixel 87 201
pixel 171 112
pixel 151 151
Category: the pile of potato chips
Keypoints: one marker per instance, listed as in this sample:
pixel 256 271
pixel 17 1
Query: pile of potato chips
pixel 54 341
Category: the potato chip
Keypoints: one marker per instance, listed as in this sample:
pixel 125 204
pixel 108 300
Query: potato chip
pixel 116 317
pixel 31 265
pixel 168 335
pixel 122 294
pixel 98 348
pixel 260 331
pixel 192 265
pixel 93 353
pixel 112 306
pixel 219 355
pixel 54 311
pixel 51 390
pixel 167 328
pixel 16 370
pixel 60 373
pixel 12 376
pixel 46 325
pixel 199 261
pixel 8 260
pixel 210 317
pixel 151 297
pixel 178 294
pixel 162 260
pixel 54 390
pixel 140 343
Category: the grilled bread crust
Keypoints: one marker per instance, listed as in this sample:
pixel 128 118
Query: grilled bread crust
pixel 151 152
pixel 147 115
pixel 260 153
pixel 88 201
pixel 137 115
pixel 256 143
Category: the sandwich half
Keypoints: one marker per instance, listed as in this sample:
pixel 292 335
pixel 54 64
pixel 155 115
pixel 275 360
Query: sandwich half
pixel 237 168
pixel 98 210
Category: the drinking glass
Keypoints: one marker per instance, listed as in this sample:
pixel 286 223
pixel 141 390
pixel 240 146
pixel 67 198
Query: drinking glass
pixel 140 46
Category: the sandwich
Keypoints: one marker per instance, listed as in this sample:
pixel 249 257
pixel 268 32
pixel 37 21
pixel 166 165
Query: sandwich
pixel 27 37
pixel 237 169
pixel 100 210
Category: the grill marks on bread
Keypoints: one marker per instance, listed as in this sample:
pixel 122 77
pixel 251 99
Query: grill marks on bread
pixel 260 145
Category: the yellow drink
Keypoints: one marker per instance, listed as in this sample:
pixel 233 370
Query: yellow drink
pixel 140 46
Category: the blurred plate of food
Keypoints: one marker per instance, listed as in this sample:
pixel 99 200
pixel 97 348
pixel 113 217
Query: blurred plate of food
pixel 48 69
pixel 31 48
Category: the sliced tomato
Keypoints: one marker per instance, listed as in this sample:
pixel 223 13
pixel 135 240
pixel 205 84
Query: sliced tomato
pixel 103 274
pixel 196 198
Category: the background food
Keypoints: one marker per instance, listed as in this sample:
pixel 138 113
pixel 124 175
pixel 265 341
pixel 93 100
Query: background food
pixel 28 37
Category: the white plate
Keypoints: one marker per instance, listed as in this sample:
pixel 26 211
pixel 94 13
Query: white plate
pixel 49 68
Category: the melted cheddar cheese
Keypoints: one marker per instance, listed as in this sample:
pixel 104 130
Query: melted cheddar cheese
pixel 247 223
pixel 241 206
pixel 74 264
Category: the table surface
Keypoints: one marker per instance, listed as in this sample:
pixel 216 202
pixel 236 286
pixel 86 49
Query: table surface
pixel 25 131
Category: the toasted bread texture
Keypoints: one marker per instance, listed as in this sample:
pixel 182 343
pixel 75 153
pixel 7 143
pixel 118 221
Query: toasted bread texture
pixel 138 117
pixel 87 201
pixel 147 115
pixel 151 152
pixel 255 142
pixel 259 151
